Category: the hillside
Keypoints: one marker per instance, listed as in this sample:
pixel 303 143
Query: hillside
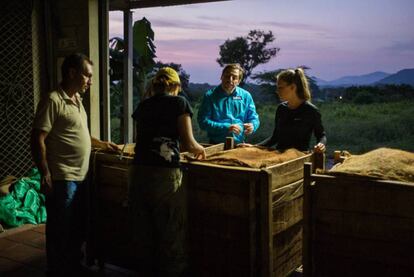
pixel 356 80
pixel 405 76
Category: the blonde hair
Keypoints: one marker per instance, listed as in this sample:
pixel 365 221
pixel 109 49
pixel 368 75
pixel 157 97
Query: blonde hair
pixel 165 80
pixel 296 76
pixel 233 66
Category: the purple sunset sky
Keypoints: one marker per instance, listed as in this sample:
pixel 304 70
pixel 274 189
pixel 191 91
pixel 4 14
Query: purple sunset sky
pixel 334 38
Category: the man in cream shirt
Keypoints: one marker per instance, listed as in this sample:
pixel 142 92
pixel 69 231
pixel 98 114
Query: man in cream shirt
pixel 61 146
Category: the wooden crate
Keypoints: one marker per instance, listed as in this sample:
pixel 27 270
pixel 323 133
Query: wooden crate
pixel 245 221
pixel 242 221
pixel 357 226
pixel 110 236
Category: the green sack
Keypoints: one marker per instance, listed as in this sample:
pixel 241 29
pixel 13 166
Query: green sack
pixel 24 204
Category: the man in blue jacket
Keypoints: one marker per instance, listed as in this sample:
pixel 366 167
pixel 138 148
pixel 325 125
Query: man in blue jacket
pixel 228 110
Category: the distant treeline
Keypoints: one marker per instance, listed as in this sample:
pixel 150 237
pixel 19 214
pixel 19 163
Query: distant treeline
pixel 265 93
pixel 369 94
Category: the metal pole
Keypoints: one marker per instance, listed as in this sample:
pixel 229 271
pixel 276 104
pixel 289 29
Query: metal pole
pixel 128 126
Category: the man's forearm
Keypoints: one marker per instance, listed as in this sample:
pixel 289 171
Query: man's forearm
pixel 39 153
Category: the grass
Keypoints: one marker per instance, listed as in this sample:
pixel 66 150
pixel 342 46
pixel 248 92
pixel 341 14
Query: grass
pixel 351 127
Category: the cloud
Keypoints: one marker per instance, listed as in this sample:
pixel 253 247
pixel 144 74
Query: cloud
pixel 401 46
pixel 181 24
pixel 210 18
pixel 295 26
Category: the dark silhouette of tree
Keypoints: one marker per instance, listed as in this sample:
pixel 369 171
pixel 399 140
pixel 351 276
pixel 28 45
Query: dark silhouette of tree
pixel 267 80
pixel 249 51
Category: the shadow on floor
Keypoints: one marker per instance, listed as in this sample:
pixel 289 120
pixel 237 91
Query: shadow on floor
pixel 22 253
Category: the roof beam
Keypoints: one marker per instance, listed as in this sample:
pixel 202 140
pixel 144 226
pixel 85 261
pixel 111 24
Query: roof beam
pixel 140 4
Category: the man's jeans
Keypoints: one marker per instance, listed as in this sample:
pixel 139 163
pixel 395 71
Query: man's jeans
pixel 65 227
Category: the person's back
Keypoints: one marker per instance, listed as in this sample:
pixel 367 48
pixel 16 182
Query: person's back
pixel 157 196
pixel 157 140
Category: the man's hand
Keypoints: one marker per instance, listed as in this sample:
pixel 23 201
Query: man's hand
pixel 319 148
pixel 105 145
pixel 248 128
pixel 235 128
pixel 46 186
pixel 110 146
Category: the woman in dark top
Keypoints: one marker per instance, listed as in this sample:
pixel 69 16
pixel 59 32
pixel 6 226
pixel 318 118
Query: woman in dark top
pixel 163 124
pixel 296 118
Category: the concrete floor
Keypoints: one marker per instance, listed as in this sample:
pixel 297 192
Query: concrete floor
pixel 22 253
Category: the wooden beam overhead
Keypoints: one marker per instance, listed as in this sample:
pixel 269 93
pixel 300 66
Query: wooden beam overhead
pixel 121 5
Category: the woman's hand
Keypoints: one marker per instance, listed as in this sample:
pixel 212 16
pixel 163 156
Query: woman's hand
pixel 319 148
pixel 200 153
pixel 241 145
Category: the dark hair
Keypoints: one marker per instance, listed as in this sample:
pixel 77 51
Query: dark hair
pixel 233 66
pixel 296 76
pixel 75 61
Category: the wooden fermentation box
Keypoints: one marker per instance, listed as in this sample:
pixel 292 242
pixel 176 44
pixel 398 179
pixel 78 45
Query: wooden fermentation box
pixel 242 221
pixel 111 229
pixel 357 226
pixel 245 221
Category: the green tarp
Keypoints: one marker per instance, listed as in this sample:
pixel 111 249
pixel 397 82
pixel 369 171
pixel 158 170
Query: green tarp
pixel 24 204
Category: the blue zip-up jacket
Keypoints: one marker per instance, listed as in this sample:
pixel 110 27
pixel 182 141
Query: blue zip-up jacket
pixel 218 111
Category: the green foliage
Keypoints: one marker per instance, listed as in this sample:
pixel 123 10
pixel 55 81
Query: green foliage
pixel 144 46
pixel 267 80
pixel 360 128
pixel 370 94
pixel 357 128
pixel 143 37
pixel 249 51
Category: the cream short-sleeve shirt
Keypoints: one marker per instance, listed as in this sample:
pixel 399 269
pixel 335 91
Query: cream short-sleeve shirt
pixel 68 143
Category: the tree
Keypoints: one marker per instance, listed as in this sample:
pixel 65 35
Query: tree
pixel 267 80
pixel 144 46
pixel 143 56
pixel 249 51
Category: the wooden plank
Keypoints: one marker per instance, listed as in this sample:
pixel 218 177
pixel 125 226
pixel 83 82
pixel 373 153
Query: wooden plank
pixel 253 240
pixel 382 252
pixel 110 158
pixel 287 178
pixel 333 265
pixel 113 194
pixel 288 172
pixel 289 246
pixel 287 206
pixel 287 215
pixel 109 175
pixel 210 150
pixel 219 203
pixel 222 182
pixel 265 248
pixel 307 251
pixel 216 167
pixel 358 223
pixel 205 224
pixel 365 196
pixel 365 225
